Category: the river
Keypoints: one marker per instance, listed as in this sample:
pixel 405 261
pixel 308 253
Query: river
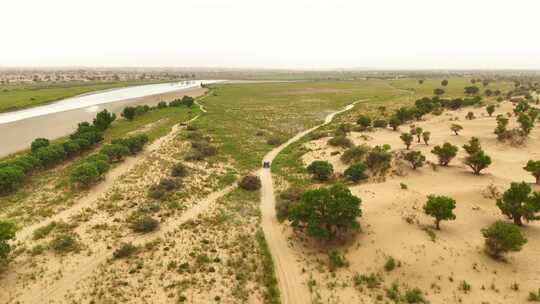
pixel 19 128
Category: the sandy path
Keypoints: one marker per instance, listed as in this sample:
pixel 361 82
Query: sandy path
pixel 288 270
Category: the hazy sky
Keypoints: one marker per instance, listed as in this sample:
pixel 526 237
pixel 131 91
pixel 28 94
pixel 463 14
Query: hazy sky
pixel 272 33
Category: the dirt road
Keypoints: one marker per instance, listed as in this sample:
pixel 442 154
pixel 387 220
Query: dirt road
pixel 288 271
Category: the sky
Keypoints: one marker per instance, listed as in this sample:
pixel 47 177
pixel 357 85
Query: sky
pixel 296 34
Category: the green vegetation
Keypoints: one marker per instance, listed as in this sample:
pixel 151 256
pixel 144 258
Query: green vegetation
pixel 517 203
pixel 415 158
pixel 16 97
pixel 502 238
pixel 477 160
pixel 7 233
pixel 441 208
pixel 534 168
pixel 456 128
pixel 250 183
pixel 407 139
pixel 271 295
pixel 445 153
pixel 321 170
pixel 326 213
pixel 356 172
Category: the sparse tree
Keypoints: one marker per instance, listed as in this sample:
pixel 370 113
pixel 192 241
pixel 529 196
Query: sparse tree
pixel 364 122
pixel 444 83
pixel 445 153
pixel 321 170
pixel 326 213
pixel 471 90
pixel 441 208
pixel 477 160
pixel 517 203
pixel 407 139
pixel 525 123
pixel 103 120
pixel 394 123
pixel 534 168
pixel 426 136
pixel 418 132
pixel 470 116
pixel 501 238
pixel 415 158
pixel 490 109
pixel 456 128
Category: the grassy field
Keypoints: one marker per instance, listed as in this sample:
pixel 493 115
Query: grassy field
pixel 242 117
pixel 16 97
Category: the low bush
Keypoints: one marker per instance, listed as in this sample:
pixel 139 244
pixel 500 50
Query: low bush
pixel 355 154
pixel 250 183
pixel 143 224
pixel 321 170
pixel 356 172
pixel 124 251
pixel 179 170
pixel 64 243
pixel 340 141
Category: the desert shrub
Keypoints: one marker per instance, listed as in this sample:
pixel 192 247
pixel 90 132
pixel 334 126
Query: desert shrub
pixel 162 105
pixel 64 243
pixel 317 135
pixel 501 238
pixel 407 139
pixel 356 172
pixel 84 174
pixel 7 233
pixel 390 264
pixel 336 260
pixel 534 296
pixel 355 154
pixel 517 203
pixel 156 192
pixel 456 128
pixel 534 168
pixel 441 208
pixel 380 123
pixel 414 295
pixel 39 143
pixel 525 124
pixel 340 141
pixel 326 213
pixel 371 281
pixel 470 116
pixel 124 251
pixel 179 170
pixel 415 158
pixel 417 131
pixel 274 141
pixel 250 183
pixel 143 224
pixel 168 184
pixel 445 153
pixel 378 159
pixel 321 170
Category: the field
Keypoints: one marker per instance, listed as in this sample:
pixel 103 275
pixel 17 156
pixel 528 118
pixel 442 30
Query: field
pixel 170 224
pixel 21 96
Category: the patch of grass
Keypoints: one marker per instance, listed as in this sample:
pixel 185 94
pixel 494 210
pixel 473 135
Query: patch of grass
pixel 124 251
pixel 371 281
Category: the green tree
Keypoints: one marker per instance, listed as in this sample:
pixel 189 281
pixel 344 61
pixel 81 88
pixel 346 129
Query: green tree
pixel 470 116
pixel 188 101
pixel 438 92
pixel 407 139
pixel 103 120
pixel 534 168
pixel 477 160
pixel 115 152
pixel 415 158
pixel 10 178
pixel 364 122
pixel 85 174
pixel 517 203
pixel 426 136
pixel 356 172
pixel 471 90
pixel 394 123
pixel 456 128
pixel 490 110
pixel 325 213
pixel 7 233
pixel 441 208
pixel 445 153
pixel 39 143
pixel 129 113
pixel 501 129
pixel 321 170
pixel 525 123
pixel 418 131
pixel 501 238
pixel 444 83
